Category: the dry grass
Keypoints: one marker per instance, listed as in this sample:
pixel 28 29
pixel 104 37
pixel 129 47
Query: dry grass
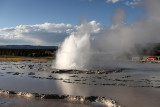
pixel 2 58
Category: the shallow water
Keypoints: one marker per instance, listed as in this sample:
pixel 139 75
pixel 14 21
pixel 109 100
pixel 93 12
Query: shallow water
pixel 137 86
pixel 15 101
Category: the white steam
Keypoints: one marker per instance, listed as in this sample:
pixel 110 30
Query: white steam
pixel 74 52
pixel 82 49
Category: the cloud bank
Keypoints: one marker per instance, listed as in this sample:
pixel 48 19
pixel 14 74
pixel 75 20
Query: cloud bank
pixel 131 3
pixel 112 1
pixel 39 34
pixel 54 34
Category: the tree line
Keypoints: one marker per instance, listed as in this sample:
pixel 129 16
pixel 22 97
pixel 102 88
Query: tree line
pixel 28 52
pixel 148 49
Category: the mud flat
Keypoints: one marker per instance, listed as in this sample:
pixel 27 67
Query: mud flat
pixel 72 71
pixel 91 100
pixel 131 87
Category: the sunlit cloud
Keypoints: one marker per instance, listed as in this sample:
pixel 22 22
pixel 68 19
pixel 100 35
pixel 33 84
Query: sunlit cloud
pixel 41 34
pixel 112 1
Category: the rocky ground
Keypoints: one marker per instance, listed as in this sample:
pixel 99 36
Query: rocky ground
pixel 72 71
pixel 100 101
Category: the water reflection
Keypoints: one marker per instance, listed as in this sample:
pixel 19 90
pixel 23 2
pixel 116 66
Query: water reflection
pixel 126 87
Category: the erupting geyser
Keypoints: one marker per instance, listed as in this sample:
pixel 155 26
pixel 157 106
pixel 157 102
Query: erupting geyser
pixel 74 51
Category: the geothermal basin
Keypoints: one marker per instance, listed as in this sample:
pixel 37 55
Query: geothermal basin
pixel 134 85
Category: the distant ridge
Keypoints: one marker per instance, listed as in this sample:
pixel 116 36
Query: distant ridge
pixel 26 47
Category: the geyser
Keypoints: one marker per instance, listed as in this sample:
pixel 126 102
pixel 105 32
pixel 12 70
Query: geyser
pixel 74 51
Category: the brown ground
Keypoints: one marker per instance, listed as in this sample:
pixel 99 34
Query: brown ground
pixel 10 58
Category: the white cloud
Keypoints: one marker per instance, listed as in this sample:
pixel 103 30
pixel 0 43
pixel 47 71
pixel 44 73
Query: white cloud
pixel 126 2
pixel 41 34
pixel 113 1
pixel 94 26
pixel 132 3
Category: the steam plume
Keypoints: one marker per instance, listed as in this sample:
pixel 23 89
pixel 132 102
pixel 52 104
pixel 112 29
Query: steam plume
pixel 82 50
pixel 73 53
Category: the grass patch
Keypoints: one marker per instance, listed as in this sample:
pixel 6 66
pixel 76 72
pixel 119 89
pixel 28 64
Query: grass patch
pixel 2 58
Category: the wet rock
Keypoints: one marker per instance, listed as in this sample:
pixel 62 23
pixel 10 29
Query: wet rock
pixel 9 72
pixel 79 99
pixel 117 80
pixel 53 96
pixel 75 98
pixel 99 77
pixel 74 76
pixel 110 84
pixel 30 66
pixel 50 76
pixel 90 72
pixel 127 76
pixel 91 98
pixel 71 71
pixel 118 70
pixel 31 73
pixel 6 92
pixel 34 77
pixel 77 80
pixel 60 79
pixel 107 102
pixel 67 81
pixel 16 73
pixel 25 94
pixel 84 80
pixel 121 84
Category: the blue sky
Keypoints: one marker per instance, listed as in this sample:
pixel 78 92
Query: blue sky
pixel 21 19
pixel 29 12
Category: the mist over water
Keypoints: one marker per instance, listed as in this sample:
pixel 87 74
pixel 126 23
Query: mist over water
pixel 90 47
